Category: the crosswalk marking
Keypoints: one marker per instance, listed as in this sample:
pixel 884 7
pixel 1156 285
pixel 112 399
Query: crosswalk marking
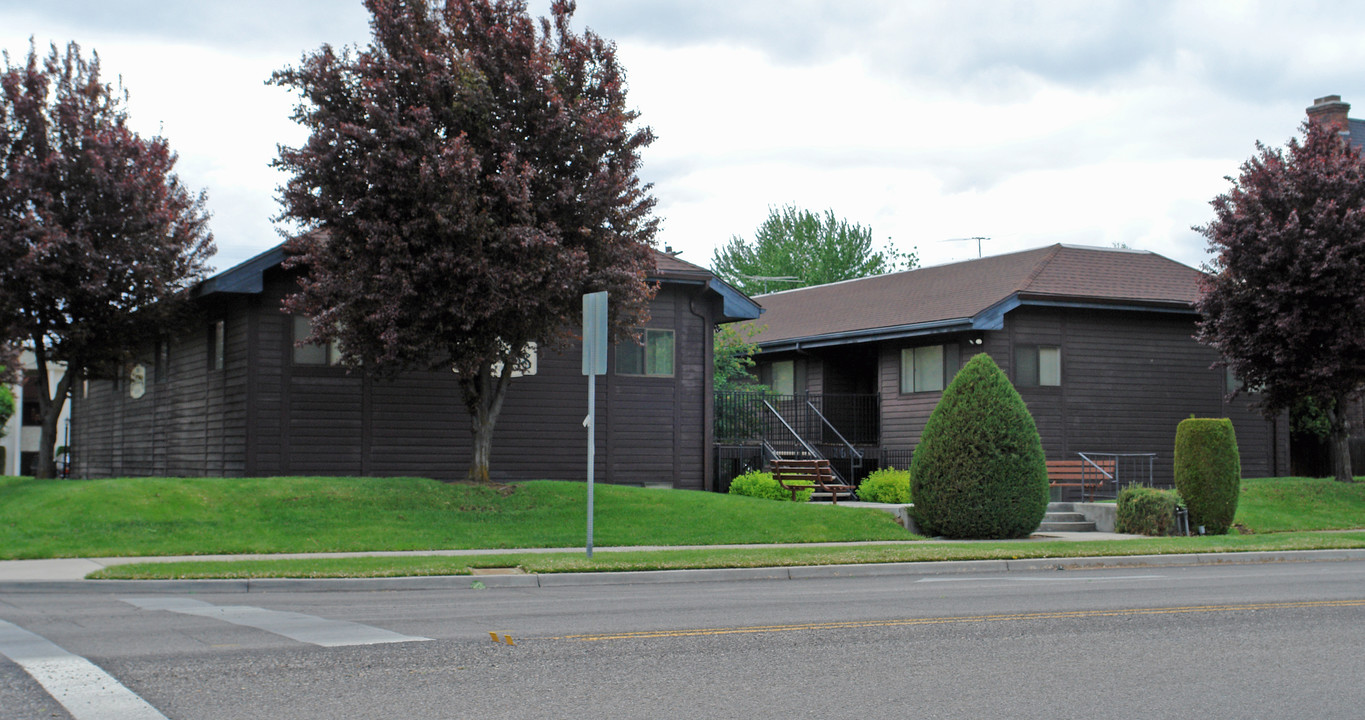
pixel 85 690
pixel 296 626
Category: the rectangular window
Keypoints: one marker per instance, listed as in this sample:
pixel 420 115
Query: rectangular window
pixel 928 368
pixel 784 377
pixel 313 353
pixel 652 356
pixel 163 360
pixel 1037 366
pixel 217 343
pixel 30 411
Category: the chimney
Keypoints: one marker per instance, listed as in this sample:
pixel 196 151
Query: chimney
pixel 1331 111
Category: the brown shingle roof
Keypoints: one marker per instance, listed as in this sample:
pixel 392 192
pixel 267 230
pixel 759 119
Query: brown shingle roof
pixel 667 265
pixel 936 296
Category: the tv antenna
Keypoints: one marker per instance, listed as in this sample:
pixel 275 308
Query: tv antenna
pixel 765 279
pixel 977 238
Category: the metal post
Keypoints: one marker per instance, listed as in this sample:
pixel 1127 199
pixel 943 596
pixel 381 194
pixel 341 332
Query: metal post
pixel 594 364
pixel 592 448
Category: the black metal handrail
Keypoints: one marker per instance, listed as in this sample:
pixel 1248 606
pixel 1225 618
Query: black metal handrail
pixel 855 419
pixel 811 451
pixel 855 458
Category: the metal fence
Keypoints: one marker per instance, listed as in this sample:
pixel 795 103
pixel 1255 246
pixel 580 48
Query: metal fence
pixel 741 417
pixel 1104 483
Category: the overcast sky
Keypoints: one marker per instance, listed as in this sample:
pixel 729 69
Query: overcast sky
pixel 1028 123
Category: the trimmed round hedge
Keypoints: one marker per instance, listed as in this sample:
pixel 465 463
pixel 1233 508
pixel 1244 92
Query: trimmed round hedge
pixel 763 485
pixel 1208 472
pixel 887 485
pixel 1146 511
pixel 979 470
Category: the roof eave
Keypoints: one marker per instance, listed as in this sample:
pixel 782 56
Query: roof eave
pixel 244 278
pixel 895 332
pixel 991 318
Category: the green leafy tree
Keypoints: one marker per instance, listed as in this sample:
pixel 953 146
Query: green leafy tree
pixel 796 248
pixel 6 403
pixel 1284 303
pixel 467 179
pixel 979 470
pixel 736 416
pixel 734 358
pixel 99 241
pixel 9 359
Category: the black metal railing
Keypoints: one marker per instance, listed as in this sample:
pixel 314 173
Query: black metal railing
pixel 820 418
pixel 1106 473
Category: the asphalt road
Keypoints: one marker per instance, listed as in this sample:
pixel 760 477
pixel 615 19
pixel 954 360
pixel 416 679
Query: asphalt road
pixel 1246 641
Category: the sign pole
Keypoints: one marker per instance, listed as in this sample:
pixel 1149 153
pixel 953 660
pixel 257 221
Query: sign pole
pixel 594 364
pixel 592 449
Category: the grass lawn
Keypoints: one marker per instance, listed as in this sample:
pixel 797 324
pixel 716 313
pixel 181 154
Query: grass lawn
pixel 199 516
pixel 172 516
pixel 927 551
pixel 1288 504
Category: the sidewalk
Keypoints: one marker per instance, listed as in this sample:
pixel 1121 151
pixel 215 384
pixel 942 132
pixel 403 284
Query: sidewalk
pixel 68 569
pixel 68 574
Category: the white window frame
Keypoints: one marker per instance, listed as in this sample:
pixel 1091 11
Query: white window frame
pixel 649 356
pixel 1047 366
pixel 307 355
pixel 917 369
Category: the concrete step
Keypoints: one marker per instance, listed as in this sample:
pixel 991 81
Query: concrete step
pixel 1062 517
pixel 1047 527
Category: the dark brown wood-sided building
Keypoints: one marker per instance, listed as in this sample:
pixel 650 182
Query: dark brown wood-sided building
pixel 1099 342
pixel 237 397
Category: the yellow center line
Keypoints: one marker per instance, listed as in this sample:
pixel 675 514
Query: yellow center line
pixel 1049 615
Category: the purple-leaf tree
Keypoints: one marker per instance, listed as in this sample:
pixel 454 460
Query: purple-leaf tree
pixel 469 175
pixel 99 241
pixel 1284 302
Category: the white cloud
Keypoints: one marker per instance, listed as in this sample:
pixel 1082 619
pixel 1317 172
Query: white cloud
pixel 1028 121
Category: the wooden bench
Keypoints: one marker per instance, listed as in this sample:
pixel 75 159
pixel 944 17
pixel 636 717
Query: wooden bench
pixel 798 475
pixel 1080 474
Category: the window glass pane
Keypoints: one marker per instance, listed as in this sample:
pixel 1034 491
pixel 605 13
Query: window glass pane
pixel 908 370
pixel 1049 366
pixel 307 354
pixel 952 362
pixel 659 349
pixel 30 411
pixel 630 358
pixel 219 341
pixel 784 377
pixel 929 368
pixel 1026 365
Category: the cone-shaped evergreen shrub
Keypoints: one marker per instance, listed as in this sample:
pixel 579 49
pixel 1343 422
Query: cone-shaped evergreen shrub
pixel 979 469
pixel 1208 472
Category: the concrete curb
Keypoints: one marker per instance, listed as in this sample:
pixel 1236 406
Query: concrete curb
pixel 657 577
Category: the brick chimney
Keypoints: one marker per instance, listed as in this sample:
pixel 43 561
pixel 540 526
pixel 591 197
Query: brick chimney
pixel 1331 111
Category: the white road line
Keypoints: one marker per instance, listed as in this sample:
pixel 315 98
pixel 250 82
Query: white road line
pixel 1038 579
pixel 296 626
pixel 86 691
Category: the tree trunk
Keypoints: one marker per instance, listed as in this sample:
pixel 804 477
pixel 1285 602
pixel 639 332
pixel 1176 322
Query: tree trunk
pixel 1341 440
pixel 483 451
pixel 483 396
pixel 50 404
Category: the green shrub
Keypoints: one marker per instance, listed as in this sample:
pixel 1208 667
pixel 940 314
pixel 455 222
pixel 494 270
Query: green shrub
pixel 762 485
pixel 1146 511
pixel 979 470
pixel 887 485
pixel 1208 472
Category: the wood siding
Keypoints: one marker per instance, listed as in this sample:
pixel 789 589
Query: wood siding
pixel 262 415
pixel 1127 380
